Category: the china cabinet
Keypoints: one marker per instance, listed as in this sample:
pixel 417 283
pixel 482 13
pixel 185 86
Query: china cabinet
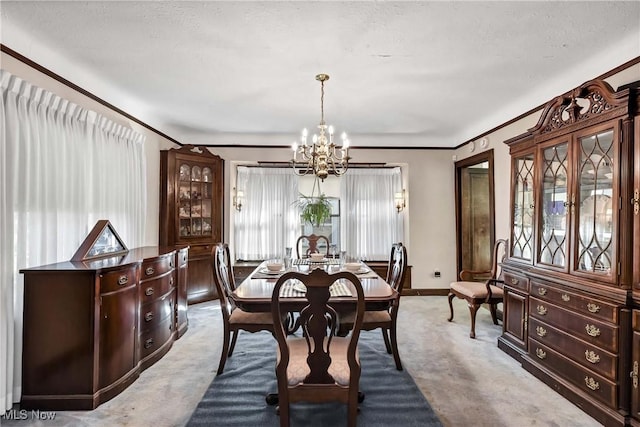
pixel 92 324
pixel 191 211
pixel 568 277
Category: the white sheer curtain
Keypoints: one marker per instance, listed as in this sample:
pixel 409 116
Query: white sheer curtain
pixel 269 221
pixel 369 220
pixel 62 168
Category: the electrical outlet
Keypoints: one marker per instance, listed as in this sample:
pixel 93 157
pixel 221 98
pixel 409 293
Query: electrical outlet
pixel 436 273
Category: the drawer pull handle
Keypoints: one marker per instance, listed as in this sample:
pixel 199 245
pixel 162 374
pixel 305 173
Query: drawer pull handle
pixel 591 383
pixel 171 281
pixel 541 353
pixel 171 263
pixel 149 271
pixel 592 330
pixel 593 308
pixel 514 281
pixel 566 298
pixel 542 310
pixel 149 316
pixel 542 291
pixel 148 343
pixel 149 291
pixel 591 356
pixel 634 374
pixel 184 258
pixel 122 280
pixel 541 331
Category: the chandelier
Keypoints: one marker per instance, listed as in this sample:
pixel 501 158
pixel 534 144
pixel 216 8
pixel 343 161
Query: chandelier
pixel 323 156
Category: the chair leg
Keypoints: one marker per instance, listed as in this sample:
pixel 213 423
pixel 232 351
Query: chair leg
pixel 233 342
pixel 394 345
pixel 283 407
pixel 451 297
pixel 385 337
pixel 353 408
pixel 225 349
pixel 473 308
pixel 494 313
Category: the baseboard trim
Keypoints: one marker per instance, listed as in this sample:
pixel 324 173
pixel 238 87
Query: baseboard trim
pixel 425 292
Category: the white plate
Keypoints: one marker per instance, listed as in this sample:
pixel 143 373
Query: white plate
pixel 265 270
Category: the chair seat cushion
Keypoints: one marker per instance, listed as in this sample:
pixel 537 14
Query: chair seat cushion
pixel 379 316
pixel 475 290
pixel 240 316
pixel 298 369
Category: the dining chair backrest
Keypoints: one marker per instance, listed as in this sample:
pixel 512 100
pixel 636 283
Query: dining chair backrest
pixel 315 244
pixel 319 366
pixel 397 266
pixel 223 275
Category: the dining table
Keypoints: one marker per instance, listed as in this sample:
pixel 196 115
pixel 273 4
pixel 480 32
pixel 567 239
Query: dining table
pixel 254 293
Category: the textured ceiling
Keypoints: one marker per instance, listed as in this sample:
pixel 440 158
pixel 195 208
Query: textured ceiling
pixel 432 74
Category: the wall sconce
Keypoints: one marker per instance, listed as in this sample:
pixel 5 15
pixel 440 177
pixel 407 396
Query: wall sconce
pixel 237 200
pixel 400 201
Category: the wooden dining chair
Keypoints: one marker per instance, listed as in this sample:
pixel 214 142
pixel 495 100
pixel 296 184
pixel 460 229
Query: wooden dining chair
pixel 318 366
pixel 475 292
pixel 314 243
pixel 386 320
pixel 234 319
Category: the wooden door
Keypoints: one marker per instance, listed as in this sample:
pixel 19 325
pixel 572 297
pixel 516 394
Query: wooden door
pixel 475 212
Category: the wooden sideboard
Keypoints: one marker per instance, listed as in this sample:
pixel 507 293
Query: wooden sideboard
pixel 91 327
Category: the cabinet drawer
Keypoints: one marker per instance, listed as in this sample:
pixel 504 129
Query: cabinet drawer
pixel 155 338
pixel 516 281
pixel 592 384
pixel 156 312
pixel 183 257
pixel 592 357
pixel 589 306
pixel 156 267
pixel 115 280
pixel 593 331
pixel 153 289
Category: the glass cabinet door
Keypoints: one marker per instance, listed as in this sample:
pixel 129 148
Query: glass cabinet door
pixel 523 214
pixel 194 200
pixel 552 247
pixel 594 207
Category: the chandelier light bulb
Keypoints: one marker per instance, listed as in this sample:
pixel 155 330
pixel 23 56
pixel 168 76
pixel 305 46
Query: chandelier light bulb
pixel 315 138
pixel 294 146
pixel 345 144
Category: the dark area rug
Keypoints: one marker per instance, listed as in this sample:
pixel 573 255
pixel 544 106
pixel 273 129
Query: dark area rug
pixel 237 397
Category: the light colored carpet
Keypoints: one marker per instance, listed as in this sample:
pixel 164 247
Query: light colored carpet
pixel 467 382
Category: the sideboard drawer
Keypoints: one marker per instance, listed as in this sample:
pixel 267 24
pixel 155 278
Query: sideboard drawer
pixel 589 382
pixel 115 280
pixel 154 313
pixel 598 333
pixel 589 306
pixel 153 339
pixel 151 290
pixel 588 355
pixel 156 268
pixel 516 281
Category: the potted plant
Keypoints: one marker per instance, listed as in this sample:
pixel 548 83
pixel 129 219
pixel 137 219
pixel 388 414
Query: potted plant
pixel 314 210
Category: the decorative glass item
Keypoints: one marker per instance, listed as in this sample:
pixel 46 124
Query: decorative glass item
pixel 185 173
pixel 102 241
